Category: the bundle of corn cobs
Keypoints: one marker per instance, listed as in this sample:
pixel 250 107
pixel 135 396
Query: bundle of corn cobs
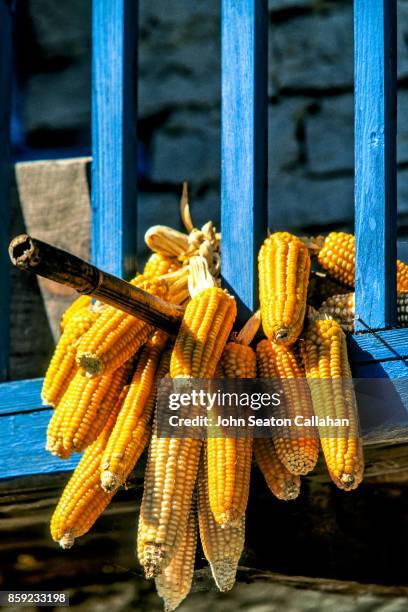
pixel 102 382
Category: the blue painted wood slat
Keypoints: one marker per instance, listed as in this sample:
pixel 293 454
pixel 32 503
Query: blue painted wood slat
pixel 24 453
pixel 243 146
pixel 5 102
pixel 114 135
pixel 375 24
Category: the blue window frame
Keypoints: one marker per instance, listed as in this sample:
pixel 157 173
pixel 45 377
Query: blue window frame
pixel 378 350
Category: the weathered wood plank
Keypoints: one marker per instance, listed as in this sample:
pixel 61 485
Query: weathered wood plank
pixel 22 452
pixel 243 146
pixel 5 94
pixel 375 24
pixel 114 142
pixel 379 346
pixel 21 396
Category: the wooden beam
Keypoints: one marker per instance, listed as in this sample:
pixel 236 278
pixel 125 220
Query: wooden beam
pixel 5 91
pixel 375 24
pixel 243 146
pixel 33 255
pixel 114 138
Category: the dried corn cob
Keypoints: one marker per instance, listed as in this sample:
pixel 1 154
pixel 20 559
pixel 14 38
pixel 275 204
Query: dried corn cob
pixel 222 546
pixel 282 483
pixel 82 413
pixel 174 584
pixel 337 257
pixel 296 447
pixel 62 366
pixel 166 241
pixel 122 449
pixel 230 456
pixel 284 266
pixel 80 302
pixel 158 264
pixel 321 287
pixel 341 309
pixel 83 499
pixel 116 336
pixel 173 461
pixel 328 373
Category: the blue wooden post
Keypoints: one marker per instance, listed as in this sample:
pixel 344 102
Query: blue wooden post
pixel 5 91
pixel 243 146
pixel 375 25
pixel 114 138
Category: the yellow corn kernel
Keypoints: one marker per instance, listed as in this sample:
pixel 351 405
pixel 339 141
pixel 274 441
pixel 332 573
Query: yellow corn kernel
pixel 321 287
pixel 116 336
pixel 122 449
pixel 229 457
pixel 158 264
pixel 284 267
pixel 222 546
pixel 206 325
pixel 281 482
pixel 328 374
pixel 296 447
pixel 174 584
pixel 80 302
pixel 82 414
pixel 337 256
pixel 62 366
pixel 83 499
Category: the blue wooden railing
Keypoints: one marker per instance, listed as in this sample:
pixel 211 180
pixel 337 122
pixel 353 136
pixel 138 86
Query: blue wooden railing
pixel 378 350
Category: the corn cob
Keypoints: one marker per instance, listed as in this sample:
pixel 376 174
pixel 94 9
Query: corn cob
pixel 174 584
pixel 328 373
pixel 337 257
pixel 229 457
pixel 222 546
pixel 122 449
pixel 284 266
pixel 281 482
pixel 321 287
pixel 83 499
pixel 297 451
pixel 80 302
pixel 341 309
pixel 62 366
pixel 115 336
pixel 173 461
pixel 158 264
pixel 82 413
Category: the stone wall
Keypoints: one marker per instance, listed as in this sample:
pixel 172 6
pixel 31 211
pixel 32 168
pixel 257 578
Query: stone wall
pixel 310 92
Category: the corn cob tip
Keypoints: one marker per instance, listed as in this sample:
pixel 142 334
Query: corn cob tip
pixel 153 558
pixel 67 540
pixel 291 491
pixel 347 481
pixel 110 482
pixel 90 364
pixel 224 573
pixel 281 334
